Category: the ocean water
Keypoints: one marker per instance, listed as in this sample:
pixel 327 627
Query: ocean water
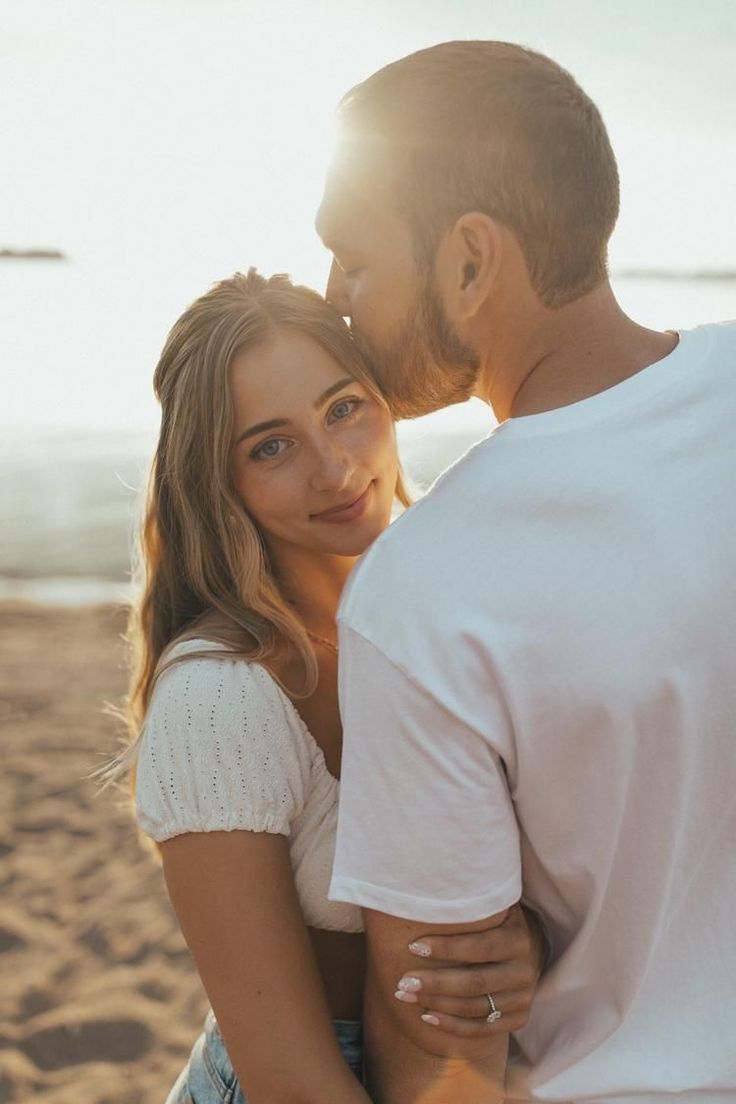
pixel 79 421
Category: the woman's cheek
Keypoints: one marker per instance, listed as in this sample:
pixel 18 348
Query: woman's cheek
pixel 376 430
pixel 365 444
pixel 256 491
pixel 391 450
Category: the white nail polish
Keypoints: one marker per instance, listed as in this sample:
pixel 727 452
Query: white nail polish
pixel 407 998
pixel 410 984
pixel 422 949
pixel 430 1019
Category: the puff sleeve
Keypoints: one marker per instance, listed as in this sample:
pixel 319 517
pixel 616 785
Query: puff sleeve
pixel 221 749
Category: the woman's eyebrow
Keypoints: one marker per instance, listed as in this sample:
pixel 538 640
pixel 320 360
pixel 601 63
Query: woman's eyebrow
pixel 333 391
pixel 277 423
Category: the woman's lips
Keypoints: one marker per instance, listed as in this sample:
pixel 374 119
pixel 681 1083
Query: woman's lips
pixel 349 512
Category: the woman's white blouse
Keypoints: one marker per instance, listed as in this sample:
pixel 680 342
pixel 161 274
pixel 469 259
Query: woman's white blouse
pixel 223 748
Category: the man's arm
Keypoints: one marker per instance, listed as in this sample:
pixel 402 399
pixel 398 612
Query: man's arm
pixel 427 841
pixel 409 1060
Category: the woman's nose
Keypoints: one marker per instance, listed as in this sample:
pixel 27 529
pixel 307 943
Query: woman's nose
pixel 331 467
pixel 336 291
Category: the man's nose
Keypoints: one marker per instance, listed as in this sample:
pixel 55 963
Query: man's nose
pixel 336 291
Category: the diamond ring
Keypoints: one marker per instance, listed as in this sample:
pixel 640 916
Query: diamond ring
pixel 494 1013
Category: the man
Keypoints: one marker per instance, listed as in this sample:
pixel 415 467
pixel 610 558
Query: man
pixel 537 659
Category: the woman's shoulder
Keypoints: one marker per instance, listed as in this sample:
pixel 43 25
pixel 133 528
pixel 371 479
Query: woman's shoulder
pixel 222 746
pixel 199 673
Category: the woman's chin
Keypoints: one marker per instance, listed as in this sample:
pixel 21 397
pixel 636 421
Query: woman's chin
pixel 357 540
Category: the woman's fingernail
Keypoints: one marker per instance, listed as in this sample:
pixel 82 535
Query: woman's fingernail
pixel 407 998
pixel 430 1019
pixel 422 949
pixel 410 985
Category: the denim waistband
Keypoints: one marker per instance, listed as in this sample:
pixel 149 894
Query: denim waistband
pixel 209 1077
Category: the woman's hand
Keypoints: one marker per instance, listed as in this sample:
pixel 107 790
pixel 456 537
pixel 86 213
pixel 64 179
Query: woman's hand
pixel 504 962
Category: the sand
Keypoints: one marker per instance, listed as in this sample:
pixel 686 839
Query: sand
pixel 99 1002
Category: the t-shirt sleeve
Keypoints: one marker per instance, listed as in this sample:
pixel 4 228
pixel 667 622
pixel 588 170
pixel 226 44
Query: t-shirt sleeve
pixel 426 826
pixel 220 750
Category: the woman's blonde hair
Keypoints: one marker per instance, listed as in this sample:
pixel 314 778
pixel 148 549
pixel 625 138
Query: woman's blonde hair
pixel 203 564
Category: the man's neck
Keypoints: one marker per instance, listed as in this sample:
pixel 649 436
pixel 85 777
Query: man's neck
pixel 547 359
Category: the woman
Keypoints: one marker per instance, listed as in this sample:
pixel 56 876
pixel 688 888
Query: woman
pixel 276 467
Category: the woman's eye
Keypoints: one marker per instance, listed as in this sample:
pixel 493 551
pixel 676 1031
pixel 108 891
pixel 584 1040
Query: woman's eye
pixel 269 450
pixel 344 409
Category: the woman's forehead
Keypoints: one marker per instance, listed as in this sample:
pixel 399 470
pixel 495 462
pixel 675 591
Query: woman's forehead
pixel 288 372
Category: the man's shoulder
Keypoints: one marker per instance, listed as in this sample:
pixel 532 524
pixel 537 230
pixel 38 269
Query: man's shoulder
pixel 713 340
pixel 725 338
pixel 725 330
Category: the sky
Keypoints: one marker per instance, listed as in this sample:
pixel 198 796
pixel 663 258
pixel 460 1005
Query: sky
pixel 166 143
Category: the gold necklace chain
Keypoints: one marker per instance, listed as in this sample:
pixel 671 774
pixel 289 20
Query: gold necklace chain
pixel 322 640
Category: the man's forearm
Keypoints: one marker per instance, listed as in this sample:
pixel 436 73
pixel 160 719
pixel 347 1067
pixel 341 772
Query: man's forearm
pixel 409 1062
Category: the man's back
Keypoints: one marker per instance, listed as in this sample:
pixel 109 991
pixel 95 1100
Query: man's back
pixel 556 622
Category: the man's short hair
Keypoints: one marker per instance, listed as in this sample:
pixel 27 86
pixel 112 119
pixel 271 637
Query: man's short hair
pixel 495 128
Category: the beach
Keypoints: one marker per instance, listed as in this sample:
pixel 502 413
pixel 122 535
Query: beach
pixel 155 149
pixel 99 1002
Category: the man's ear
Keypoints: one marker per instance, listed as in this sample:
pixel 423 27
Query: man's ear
pixel 469 261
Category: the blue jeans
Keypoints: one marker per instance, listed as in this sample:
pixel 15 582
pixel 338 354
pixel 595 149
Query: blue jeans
pixel 209 1078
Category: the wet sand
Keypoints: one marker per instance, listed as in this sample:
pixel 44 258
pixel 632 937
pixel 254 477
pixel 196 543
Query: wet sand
pixel 99 1002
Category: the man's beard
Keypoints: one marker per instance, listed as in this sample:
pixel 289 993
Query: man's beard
pixel 427 366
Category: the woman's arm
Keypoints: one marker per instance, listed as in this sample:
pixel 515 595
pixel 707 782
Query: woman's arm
pixel 234 896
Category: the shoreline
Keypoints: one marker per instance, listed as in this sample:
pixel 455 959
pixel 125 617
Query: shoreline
pixel 59 592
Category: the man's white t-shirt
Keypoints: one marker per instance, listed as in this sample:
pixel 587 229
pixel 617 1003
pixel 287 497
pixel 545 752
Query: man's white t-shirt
pixel 538 688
